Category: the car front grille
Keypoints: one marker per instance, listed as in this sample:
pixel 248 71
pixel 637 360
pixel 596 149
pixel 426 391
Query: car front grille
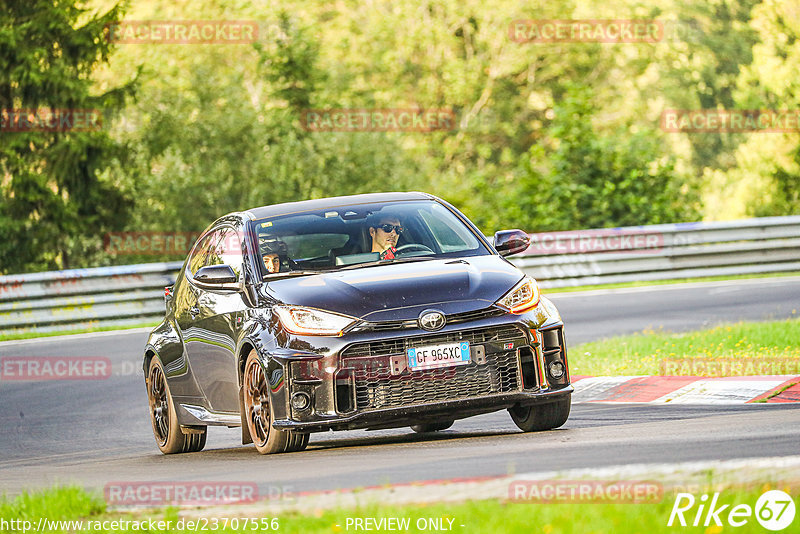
pixel 376 387
pixel 399 346
pixel 388 326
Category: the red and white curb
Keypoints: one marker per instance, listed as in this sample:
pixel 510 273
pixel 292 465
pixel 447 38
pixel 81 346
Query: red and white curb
pixel 686 389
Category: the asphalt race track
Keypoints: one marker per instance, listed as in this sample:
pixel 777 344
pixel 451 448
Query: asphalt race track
pixel 591 315
pixel 93 432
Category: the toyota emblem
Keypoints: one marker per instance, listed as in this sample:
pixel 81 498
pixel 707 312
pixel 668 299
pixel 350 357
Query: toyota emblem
pixel 432 320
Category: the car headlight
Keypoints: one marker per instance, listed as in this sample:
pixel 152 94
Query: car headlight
pixel 308 321
pixel 523 297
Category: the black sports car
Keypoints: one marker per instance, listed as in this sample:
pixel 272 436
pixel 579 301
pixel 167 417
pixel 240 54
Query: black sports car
pixel 369 311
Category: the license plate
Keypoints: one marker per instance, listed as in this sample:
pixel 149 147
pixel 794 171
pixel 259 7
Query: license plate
pixel 435 356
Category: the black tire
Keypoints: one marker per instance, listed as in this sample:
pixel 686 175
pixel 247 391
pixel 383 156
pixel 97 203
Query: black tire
pixel 258 415
pixel 541 416
pixel 164 420
pixel 299 443
pixel 432 427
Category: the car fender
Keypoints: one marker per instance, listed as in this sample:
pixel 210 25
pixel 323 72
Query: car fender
pixel 258 336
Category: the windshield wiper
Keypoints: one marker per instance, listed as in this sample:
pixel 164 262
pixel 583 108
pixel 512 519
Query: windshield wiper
pixel 359 265
pixel 289 274
pixel 415 258
pixel 384 262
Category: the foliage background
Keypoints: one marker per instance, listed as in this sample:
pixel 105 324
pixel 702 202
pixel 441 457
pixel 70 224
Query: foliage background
pixel 550 137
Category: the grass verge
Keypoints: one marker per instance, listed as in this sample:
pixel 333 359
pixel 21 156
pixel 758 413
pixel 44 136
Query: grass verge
pixel 32 335
pixel 744 348
pixel 88 513
pixel 553 290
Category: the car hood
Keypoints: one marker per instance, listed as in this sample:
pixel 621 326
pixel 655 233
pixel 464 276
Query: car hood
pixel 400 291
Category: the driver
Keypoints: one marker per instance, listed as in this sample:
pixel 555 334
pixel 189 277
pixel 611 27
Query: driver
pixel 274 253
pixel 385 230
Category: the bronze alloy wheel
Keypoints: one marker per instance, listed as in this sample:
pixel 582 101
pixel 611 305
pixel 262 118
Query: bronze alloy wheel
pixel 258 415
pixel 170 438
pixel 256 402
pixel 159 405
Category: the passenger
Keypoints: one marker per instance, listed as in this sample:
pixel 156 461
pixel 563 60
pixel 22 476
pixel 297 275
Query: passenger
pixel 275 255
pixel 273 262
pixel 385 230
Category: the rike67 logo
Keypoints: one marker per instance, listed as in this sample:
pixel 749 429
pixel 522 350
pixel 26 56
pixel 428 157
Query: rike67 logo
pixel 774 510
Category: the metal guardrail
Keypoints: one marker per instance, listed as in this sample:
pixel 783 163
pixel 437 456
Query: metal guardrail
pixel 133 294
pixel 84 298
pixel 664 252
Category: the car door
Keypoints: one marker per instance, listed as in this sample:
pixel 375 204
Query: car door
pixel 218 314
pixel 185 298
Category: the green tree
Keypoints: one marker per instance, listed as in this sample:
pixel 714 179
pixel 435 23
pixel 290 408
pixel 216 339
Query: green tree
pixel 771 82
pixel 232 139
pixel 56 203
pixel 580 178
pixel 710 44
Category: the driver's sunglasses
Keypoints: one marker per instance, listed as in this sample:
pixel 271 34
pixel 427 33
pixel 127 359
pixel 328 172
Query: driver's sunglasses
pixel 389 227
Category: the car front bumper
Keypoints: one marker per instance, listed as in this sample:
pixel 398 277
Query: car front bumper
pixel 356 383
pixel 419 413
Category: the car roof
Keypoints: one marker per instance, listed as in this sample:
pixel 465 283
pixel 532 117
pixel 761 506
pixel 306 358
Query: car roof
pixel 333 202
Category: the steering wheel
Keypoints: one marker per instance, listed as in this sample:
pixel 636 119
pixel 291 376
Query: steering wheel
pixel 412 247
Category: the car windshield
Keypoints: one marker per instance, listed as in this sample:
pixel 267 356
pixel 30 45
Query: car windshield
pixel 352 236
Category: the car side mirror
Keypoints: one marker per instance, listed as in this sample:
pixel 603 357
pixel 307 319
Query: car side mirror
pixel 216 277
pixel 508 242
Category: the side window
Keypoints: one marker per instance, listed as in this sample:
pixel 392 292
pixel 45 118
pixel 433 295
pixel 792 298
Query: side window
pixel 451 234
pixel 309 246
pixel 228 250
pixel 198 258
